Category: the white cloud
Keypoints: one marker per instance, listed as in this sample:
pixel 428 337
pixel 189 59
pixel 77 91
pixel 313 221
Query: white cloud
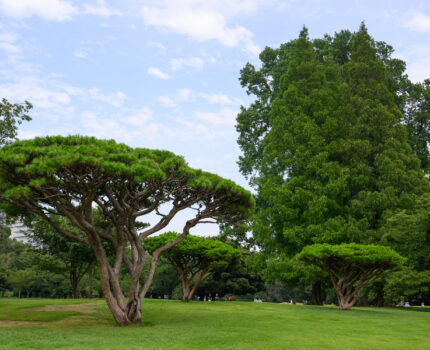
pixel 418 58
pixel 155 72
pixel 138 118
pixel 180 63
pixel 158 45
pixel 225 117
pixel 204 20
pixel 100 10
pixel 221 99
pixel 56 10
pixel 135 129
pixel 30 89
pixel 8 42
pixel 418 22
pixel 80 54
pixel 115 100
pixel 73 91
pixel 183 95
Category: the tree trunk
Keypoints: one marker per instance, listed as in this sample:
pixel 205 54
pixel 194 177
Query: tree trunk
pixel 134 309
pixel 317 294
pixel 380 298
pixel 346 296
pixel 185 289
pixel 19 292
pixel 74 281
pixel 90 279
pixel 346 302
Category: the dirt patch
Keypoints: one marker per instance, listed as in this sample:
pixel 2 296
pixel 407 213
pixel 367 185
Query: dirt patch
pixel 83 308
pixel 86 317
pixel 9 324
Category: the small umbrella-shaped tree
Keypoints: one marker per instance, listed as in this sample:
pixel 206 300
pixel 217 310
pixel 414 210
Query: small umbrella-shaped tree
pixel 195 258
pixel 351 266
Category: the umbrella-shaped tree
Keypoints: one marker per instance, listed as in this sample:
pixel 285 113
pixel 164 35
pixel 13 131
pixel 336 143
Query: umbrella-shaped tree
pixel 71 176
pixel 195 258
pixel 351 266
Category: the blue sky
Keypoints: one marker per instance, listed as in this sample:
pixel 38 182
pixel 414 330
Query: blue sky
pixel 164 74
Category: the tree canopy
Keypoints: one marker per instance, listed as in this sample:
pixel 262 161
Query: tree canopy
pixel 195 258
pixel 351 266
pixel 70 176
pixel 324 145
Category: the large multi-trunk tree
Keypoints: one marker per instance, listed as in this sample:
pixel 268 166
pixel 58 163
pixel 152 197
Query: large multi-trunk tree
pixel 195 258
pixel 72 176
pixel 351 266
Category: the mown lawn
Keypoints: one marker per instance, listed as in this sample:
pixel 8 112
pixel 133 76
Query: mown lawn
pixel 216 325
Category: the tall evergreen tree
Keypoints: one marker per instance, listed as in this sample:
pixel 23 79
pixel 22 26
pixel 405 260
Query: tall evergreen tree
pixel 335 163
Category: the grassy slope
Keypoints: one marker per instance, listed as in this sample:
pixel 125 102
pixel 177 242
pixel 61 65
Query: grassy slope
pixel 235 325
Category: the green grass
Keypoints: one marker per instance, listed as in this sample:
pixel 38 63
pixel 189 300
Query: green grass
pixel 224 325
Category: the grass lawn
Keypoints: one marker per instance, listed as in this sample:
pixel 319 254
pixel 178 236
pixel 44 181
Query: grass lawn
pixel 216 325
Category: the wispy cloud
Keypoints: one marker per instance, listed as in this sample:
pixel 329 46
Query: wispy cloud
pixel 155 72
pixel 116 99
pixel 183 95
pixel 8 42
pixel 203 20
pixel 221 99
pixel 223 117
pixel 180 63
pixel 418 22
pixel 32 89
pixel 100 9
pixel 55 10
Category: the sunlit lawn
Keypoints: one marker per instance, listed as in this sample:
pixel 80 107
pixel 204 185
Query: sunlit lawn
pixel 216 325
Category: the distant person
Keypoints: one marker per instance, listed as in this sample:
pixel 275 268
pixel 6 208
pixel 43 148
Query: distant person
pixel 216 297
pixel 422 304
pixel 230 298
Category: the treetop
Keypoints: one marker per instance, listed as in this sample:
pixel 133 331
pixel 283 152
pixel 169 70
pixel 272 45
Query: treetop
pixel 215 253
pixel 80 159
pixel 352 253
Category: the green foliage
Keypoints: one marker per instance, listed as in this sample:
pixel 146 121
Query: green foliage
pixel 208 253
pixel 11 115
pixel 416 117
pixel 242 280
pixel 356 256
pixel 166 280
pixel 195 258
pixel 47 161
pixel 334 161
pixel 351 266
pixel 408 285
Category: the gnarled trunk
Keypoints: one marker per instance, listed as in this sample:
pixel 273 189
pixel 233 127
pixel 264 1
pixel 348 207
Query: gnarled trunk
pixel 185 289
